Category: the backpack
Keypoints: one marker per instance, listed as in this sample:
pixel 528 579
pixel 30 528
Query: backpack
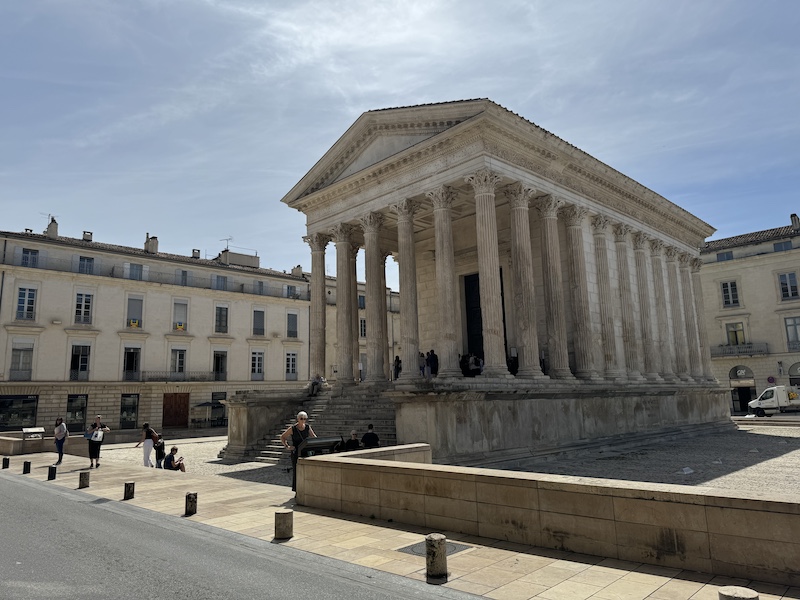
pixel 154 436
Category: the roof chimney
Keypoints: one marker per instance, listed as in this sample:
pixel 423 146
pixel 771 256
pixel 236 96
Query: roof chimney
pixel 795 222
pixel 52 229
pixel 151 244
pixel 87 236
pixel 195 253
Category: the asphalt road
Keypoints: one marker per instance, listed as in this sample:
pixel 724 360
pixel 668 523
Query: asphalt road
pixel 57 543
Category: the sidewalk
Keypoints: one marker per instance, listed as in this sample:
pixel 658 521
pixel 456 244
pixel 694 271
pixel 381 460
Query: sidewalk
pixel 489 568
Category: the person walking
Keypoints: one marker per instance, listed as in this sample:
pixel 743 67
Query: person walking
pixel 60 435
pixel 149 437
pixel 434 362
pixel 95 434
pixel 297 433
pixel 371 439
pixel 160 451
pixel 398 366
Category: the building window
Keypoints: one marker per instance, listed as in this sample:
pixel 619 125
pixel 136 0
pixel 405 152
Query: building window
pixel 131 365
pixel 135 309
pixel 735 333
pixel 258 288
pixel 177 362
pixel 291 291
pixel 220 282
pixel 76 412
pixel 730 295
pixel 182 277
pixel 257 366
pixel 128 409
pixel 21 362
pixel 362 328
pixel 291 366
pixel 30 258
pixel 258 322
pixel 723 256
pixel 221 320
pixel 788 283
pixel 180 313
pixel 79 364
pixel 86 265
pixel 17 412
pixel 782 246
pixel 135 271
pixel 362 301
pixel 83 308
pixel 220 365
pixel 793 333
pixel 26 304
pixel 291 325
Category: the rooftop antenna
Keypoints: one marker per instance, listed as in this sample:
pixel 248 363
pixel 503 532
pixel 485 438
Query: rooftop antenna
pixel 50 217
pixel 227 240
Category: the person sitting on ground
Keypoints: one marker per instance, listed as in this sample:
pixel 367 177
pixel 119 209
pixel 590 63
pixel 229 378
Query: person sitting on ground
pixel 315 385
pixel 352 443
pixel 171 463
pixel 370 439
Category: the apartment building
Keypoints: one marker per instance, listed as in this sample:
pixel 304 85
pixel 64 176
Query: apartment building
pixel 138 335
pixel 752 309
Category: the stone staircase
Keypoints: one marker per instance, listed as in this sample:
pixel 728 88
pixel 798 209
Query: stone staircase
pixel 334 417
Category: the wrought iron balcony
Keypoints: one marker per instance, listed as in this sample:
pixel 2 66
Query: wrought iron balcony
pixel 752 349
pixel 78 375
pixel 20 374
pixel 177 376
pixel 131 375
pixel 794 346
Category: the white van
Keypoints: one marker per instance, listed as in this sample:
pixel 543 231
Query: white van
pixel 776 399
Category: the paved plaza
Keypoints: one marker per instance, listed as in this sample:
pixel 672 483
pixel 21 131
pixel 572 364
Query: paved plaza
pixel 244 497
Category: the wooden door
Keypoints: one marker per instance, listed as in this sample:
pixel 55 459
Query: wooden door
pixel 176 410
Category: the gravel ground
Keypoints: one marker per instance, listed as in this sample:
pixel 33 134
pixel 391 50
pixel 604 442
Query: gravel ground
pixel 752 459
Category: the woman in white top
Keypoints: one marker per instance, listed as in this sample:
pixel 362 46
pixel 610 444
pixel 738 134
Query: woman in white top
pixel 60 435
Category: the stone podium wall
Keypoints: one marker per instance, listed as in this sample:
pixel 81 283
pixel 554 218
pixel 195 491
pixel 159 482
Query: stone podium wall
pixel 253 415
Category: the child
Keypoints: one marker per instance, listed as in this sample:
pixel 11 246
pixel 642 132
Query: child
pixel 160 452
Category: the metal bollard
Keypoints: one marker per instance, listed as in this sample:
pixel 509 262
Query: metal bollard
pixel 51 472
pixel 436 558
pixel 191 504
pixel 129 487
pixel 83 479
pixel 26 467
pixel 6 462
pixel 734 592
pixel 284 524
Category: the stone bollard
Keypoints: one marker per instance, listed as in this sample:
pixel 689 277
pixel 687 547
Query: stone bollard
pixel 129 486
pixel 284 524
pixel 83 479
pixel 734 592
pixel 191 504
pixel 6 462
pixel 436 558
pixel 51 472
pixel 26 467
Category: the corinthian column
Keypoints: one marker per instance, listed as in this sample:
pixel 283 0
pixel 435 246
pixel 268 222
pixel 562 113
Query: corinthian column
pixel 318 242
pixel 356 322
pixel 375 300
pixel 344 300
pixel 651 356
pixel 553 292
pixel 409 317
pixel 678 325
pixel 387 361
pixel 663 340
pixel 695 366
pixel 522 272
pixel 612 368
pixel 630 341
pixel 484 183
pixel 578 285
pixel 442 200
pixel 699 310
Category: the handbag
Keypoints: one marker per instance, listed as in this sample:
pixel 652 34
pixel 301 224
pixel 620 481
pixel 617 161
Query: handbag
pixel 97 435
pixel 87 435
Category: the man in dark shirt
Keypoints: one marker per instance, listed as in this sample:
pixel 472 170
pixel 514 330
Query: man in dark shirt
pixel 370 439
pixel 172 462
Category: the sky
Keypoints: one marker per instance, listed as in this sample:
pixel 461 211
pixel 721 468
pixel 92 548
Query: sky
pixel 190 119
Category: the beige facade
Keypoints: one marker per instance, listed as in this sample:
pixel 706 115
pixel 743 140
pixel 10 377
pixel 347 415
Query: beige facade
pixel 752 310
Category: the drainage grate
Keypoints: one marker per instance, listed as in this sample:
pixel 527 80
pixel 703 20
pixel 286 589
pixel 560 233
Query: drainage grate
pixel 419 549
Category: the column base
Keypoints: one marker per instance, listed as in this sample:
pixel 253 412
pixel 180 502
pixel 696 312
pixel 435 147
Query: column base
pixel 635 376
pixel 496 373
pixel 564 373
pixel 449 374
pixel 670 377
pixel 531 373
pixel 653 377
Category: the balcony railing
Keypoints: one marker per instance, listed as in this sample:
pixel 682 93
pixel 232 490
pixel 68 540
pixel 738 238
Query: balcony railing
pixel 131 375
pixel 256 377
pixel 24 315
pixel 20 374
pixel 220 376
pixel 178 376
pixel 740 350
pixel 77 375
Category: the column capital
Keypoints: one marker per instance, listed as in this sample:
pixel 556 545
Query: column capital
pixel 317 241
pixel 684 258
pixel 519 195
pixel 574 214
pixel 354 248
pixel 548 206
pixel 442 196
pixel 696 263
pixel 483 181
pixel 671 253
pixel 621 232
pixel 656 246
pixel 405 209
pixel 600 224
pixel 640 240
pixel 372 222
pixel 341 232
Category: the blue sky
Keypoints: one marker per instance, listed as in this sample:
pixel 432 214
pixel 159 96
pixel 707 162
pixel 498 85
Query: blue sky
pixel 190 119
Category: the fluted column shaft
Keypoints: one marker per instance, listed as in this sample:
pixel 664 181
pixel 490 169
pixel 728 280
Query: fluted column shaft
pixel 522 272
pixel 318 242
pixel 609 344
pixel 375 300
pixel 652 364
pixel 442 200
pixel 553 292
pixel 692 342
pixel 409 319
pixel 387 359
pixel 356 321
pixel 484 183
pixel 678 324
pixel 578 286
pixel 663 339
pixel 631 343
pixel 344 301
pixel 699 310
